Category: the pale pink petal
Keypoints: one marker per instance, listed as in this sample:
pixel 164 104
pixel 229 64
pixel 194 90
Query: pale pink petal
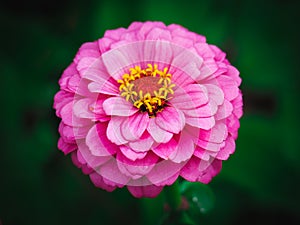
pixel 187 61
pixel 215 93
pixel 82 108
pixel 184 150
pixel 208 67
pixel 229 87
pixel 190 97
pixel 98 143
pixel 134 53
pixel 106 86
pixel 203 111
pixel 211 146
pixel 180 78
pixel 217 134
pixel 158 134
pixel 131 154
pixel 204 123
pixel 91 160
pixel 143 144
pixel 201 153
pixel 171 120
pixel 150 191
pixel 134 126
pixel 204 50
pixel 224 110
pixel 85 63
pixel 137 168
pixel 164 172
pixel 118 106
pixel 73 82
pixel 112 175
pixel 113 131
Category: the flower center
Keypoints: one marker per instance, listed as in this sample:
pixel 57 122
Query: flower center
pixel 148 89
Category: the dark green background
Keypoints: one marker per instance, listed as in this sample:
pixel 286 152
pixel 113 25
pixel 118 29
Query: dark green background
pixel 259 184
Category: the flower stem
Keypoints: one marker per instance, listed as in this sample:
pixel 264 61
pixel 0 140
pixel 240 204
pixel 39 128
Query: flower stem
pixel 173 196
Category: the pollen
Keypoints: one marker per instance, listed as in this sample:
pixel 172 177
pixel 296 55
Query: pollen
pixel 149 89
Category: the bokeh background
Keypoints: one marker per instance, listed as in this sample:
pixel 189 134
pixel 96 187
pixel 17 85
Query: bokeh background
pixel 259 184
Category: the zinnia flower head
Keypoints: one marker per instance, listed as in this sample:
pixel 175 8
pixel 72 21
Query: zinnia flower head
pixel 147 104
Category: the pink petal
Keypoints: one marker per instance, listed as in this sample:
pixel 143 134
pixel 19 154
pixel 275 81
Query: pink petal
pixel 234 73
pixel 180 78
pixel 134 126
pixel 143 144
pixel 164 172
pixel 190 171
pixel 210 172
pixel 158 134
pixel 138 168
pixel 187 61
pixel 171 120
pixel 150 191
pixel 200 170
pixel 159 34
pixel 217 134
pixel 229 87
pixel 61 99
pixel 73 82
pixel 201 153
pixel 98 182
pixel 204 50
pixel 131 154
pixel 209 145
pixel 224 110
pixel 118 106
pixel 228 149
pixel 91 160
pixel 66 132
pixel 67 114
pixel 115 34
pixel 85 63
pixel 112 175
pixel 113 131
pixel 204 123
pixel 184 150
pixel 98 143
pixel 179 31
pixel 208 67
pixel 165 149
pixel 82 108
pixel 66 148
pixel 105 86
pixel 215 93
pixel 203 111
pixel 190 97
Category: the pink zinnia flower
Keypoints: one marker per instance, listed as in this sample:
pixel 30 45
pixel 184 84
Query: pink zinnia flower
pixel 144 105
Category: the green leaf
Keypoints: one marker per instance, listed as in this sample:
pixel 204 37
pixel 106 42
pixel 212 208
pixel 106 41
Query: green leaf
pixel 199 197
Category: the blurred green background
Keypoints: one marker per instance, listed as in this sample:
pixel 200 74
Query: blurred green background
pixel 259 184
